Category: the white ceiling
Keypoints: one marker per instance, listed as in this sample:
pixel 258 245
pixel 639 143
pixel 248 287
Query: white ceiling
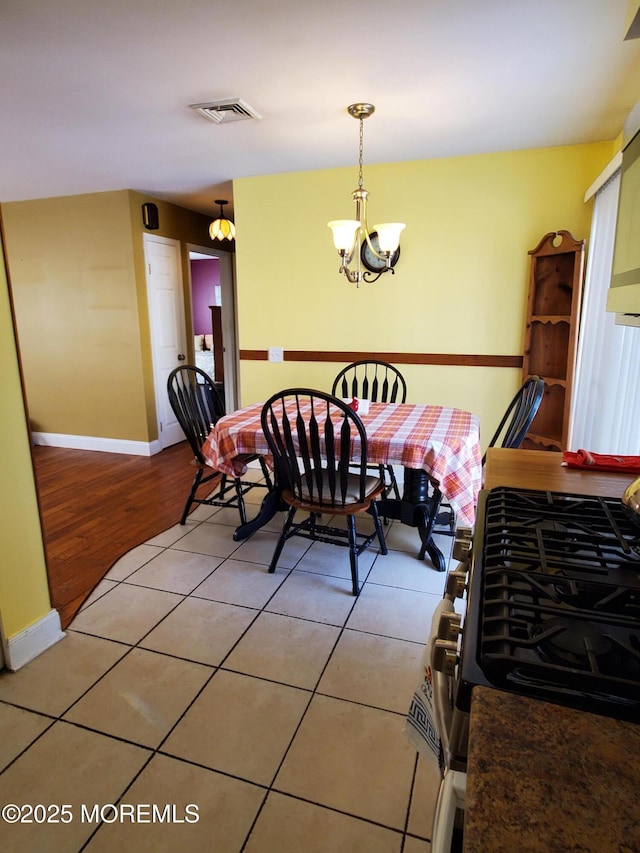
pixel 94 94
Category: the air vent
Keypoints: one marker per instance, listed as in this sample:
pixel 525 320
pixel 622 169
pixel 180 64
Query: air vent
pixel 232 109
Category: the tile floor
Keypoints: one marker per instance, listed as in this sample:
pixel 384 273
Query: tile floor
pixel 274 704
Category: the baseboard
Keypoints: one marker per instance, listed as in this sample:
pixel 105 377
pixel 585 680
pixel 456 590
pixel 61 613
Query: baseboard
pixel 37 638
pixel 91 442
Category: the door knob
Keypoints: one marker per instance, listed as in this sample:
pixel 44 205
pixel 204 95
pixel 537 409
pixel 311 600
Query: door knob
pixel 181 357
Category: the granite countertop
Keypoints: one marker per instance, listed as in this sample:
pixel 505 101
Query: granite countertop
pixel 543 778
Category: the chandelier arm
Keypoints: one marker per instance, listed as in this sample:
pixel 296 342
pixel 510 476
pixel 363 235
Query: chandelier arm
pixel 370 277
pixel 360 197
pixel 353 276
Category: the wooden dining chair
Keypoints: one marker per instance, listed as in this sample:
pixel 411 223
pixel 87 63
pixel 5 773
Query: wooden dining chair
pixel 319 448
pixel 197 406
pixel 519 415
pixel 378 382
pixel 510 433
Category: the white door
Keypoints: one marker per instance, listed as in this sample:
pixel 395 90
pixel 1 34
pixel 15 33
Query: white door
pixel 166 319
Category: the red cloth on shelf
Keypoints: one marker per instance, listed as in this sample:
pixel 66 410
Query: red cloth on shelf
pixel 602 461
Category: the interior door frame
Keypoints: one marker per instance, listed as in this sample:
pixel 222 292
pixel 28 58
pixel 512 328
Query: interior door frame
pixel 229 319
pixel 158 385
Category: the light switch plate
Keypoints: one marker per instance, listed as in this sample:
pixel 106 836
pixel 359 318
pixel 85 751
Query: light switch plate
pixel 276 354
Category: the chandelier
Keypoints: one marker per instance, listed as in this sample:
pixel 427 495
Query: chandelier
pixel 221 228
pixel 378 250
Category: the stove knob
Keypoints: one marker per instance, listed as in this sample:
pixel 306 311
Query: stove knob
pixel 456 583
pixel 449 626
pixel 462 544
pixel 445 657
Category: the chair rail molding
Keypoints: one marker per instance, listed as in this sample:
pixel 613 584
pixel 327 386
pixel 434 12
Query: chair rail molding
pixel 451 359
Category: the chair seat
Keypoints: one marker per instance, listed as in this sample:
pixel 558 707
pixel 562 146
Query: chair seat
pixel 352 504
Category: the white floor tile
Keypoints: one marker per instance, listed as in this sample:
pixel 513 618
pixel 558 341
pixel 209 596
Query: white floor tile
pixel 225 809
pixel 401 569
pixel 138 700
pixel 126 613
pixel 239 725
pixel 200 630
pixel 175 571
pixel 362 763
pixel 321 598
pixel 291 651
pixel 391 612
pixel 67 765
pixel 239 582
pixel 131 561
pixel 58 677
pixel 277 701
pixel 288 824
pixel 373 670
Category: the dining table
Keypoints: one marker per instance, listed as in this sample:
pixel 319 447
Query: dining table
pixel 438 447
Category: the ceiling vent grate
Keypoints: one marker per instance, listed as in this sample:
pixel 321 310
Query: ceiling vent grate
pixel 223 112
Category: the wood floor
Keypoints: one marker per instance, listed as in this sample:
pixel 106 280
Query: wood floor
pixel 97 506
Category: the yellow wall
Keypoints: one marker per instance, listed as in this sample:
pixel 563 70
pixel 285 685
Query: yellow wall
pixel 79 285
pixel 460 284
pixel 24 593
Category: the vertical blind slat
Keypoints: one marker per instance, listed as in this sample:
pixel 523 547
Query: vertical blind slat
pixel 606 398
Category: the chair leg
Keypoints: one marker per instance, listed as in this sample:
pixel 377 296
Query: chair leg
pixel 241 507
pixel 394 482
pixel 265 472
pixel 353 553
pixel 379 530
pixel 192 494
pixel 283 538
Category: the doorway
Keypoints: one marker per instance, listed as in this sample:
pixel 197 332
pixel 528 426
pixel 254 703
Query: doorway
pixel 213 315
pixel 165 295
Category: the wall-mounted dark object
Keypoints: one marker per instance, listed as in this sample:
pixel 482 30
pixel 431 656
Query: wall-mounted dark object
pixel 150 216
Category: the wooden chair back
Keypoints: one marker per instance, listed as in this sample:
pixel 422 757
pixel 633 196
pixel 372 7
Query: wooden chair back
pixel 196 404
pixel 318 444
pixel 519 415
pixel 376 381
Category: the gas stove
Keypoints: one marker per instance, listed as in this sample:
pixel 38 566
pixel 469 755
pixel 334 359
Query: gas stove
pixel 553 607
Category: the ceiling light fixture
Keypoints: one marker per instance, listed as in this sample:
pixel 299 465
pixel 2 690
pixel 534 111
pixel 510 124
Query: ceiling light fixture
pixel 221 228
pixel 351 237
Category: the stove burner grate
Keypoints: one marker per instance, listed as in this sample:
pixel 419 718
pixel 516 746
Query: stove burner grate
pixel 568 641
pixel 554 601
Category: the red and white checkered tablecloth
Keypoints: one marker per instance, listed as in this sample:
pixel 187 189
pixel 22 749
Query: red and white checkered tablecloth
pixel 444 442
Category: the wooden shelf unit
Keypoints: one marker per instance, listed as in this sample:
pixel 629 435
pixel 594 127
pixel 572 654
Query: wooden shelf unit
pixel 551 335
